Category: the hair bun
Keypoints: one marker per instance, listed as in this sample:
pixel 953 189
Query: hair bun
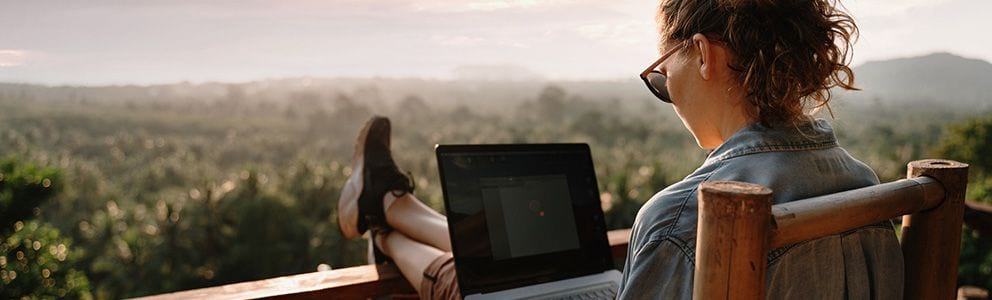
pixel 787 54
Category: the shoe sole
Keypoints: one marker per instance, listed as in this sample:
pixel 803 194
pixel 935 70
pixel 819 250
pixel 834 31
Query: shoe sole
pixel 360 142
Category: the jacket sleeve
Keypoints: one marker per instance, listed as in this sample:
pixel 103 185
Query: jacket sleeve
pixel 660 269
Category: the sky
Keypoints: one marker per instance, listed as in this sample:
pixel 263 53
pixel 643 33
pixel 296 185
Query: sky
pixel 102 42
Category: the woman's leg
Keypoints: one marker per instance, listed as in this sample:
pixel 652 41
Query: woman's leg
pixel 406 214
pixel 411 257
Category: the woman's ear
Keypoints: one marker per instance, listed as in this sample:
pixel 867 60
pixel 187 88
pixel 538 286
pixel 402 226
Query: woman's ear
pixel 707 55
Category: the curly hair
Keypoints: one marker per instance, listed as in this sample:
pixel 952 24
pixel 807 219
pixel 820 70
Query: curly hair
pixel 787 54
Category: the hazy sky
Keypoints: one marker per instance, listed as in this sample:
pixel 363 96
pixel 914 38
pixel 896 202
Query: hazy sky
pixel 158 41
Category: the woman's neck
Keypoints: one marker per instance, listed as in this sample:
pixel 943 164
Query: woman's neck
pixel 730 125
pixel 734 119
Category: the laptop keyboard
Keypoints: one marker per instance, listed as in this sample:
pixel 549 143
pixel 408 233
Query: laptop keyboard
pixel 604 291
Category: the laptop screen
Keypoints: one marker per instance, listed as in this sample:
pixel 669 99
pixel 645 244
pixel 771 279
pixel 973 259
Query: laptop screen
pixel 520 215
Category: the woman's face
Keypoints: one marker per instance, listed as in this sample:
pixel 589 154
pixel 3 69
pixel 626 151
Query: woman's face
pixel 700 91
pixel 684 88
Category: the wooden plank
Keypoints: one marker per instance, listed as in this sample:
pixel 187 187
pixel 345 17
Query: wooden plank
pixel 358 282
pixel 972 293
pixel 618 243
pixel 835 213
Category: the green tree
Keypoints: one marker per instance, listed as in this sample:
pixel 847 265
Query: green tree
pixel 23 187
pixel 971 142
pixel 36 262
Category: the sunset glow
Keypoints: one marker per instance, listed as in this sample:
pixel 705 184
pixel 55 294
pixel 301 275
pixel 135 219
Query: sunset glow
pixel 11 58
pixel 159 41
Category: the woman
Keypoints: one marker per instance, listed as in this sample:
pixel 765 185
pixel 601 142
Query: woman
pixel 743 76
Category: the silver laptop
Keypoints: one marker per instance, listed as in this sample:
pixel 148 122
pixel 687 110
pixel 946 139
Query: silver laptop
pixel 525 222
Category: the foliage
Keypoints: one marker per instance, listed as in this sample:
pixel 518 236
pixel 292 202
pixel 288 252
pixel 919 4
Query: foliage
pixel 971 142
pixel 35 260
pixel 23 187
pixel 36 263
pixel 975 265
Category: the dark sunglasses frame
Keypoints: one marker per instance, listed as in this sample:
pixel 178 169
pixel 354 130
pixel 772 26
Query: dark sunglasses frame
pixel 655 80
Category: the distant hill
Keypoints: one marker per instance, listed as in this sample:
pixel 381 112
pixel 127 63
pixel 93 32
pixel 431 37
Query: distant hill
pixel 940 78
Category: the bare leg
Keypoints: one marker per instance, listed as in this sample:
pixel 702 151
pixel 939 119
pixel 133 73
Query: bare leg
pixel 411 257
pixel 418 221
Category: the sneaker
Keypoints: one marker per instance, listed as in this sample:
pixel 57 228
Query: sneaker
pixel 374 173
pixel 352 189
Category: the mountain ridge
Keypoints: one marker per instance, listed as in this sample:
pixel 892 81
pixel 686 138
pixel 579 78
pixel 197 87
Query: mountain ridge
pixel 938 78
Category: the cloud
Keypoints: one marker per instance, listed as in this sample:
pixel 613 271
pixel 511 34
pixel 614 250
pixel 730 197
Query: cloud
pixel 873 8
pixel 474 41
pixel 457 40
pixel 13 57
pixel 456 6
pixel 629 33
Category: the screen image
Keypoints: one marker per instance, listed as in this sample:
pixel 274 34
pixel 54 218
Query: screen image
pixel 529 215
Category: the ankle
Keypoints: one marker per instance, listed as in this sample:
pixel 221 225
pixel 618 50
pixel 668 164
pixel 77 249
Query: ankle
pixel 389 199
pixel 379 240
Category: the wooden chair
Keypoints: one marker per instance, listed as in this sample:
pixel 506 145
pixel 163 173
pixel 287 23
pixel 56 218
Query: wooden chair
pixel 738 226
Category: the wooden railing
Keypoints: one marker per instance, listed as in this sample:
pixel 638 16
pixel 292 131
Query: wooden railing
pixel 738 226
pixel 359 282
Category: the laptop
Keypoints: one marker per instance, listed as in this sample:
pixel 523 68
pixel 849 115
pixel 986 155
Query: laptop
pixel 525 222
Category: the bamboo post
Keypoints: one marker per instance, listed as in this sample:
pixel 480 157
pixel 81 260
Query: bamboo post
pixel 931 239
pixel 732 240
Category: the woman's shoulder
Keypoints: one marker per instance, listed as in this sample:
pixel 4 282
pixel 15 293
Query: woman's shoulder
pixel 794 175
pixel 671 208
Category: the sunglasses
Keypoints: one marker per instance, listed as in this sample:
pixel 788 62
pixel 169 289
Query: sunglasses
pixel 655 80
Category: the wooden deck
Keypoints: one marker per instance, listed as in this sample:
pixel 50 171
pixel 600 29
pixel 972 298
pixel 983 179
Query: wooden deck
pixel 349 283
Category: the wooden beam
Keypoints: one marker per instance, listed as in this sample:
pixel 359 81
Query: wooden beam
pixel 931 239
pixel 732 240
pixel 358 282
pixel 972 293
pixel 978 217
pixel 815 217
pixel 618 243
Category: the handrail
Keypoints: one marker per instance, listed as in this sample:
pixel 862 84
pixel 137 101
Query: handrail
pixel 978 216
pixel 360 282
pixel 820 216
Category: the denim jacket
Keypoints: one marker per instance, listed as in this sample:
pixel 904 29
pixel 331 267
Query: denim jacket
pixel 796 162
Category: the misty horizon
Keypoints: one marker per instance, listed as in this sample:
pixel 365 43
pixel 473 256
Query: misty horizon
pixel 465 73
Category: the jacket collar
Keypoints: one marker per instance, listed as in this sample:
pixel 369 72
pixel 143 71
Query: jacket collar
pixel 808 134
